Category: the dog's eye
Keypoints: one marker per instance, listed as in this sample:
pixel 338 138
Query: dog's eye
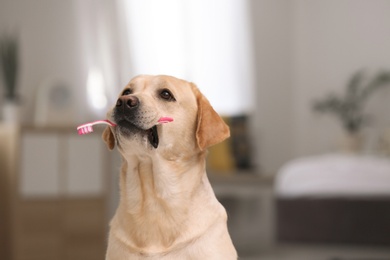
pixel 127 92
pixel 167 95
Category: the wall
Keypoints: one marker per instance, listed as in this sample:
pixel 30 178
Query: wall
pixel 62 41
pixel 273 114
pixel 306 49
pixel 332 40
pixel 50 47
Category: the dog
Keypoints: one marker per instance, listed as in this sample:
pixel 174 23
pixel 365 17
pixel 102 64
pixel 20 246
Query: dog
pixel 167 207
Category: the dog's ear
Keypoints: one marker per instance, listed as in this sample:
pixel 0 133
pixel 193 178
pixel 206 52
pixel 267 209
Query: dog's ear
pixel 211 129
pixel 109 138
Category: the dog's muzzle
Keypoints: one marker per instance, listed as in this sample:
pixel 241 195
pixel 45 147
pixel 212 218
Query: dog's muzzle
pixel 128 118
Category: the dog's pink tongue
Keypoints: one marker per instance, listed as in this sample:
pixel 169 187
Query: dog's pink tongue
pixel 165 119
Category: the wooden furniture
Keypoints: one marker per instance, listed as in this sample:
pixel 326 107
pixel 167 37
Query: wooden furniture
pixel 54 191
pixel 8 168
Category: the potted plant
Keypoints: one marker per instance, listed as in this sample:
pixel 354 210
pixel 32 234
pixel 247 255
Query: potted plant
pixel 9 69
pixel 349 107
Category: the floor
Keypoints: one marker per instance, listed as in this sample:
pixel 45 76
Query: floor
pixel 316 252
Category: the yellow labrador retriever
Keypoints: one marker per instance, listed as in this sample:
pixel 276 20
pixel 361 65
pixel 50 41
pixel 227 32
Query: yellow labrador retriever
pixel 167 207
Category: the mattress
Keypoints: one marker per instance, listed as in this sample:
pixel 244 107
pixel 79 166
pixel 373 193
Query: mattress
pixel 334 175
pixel 334 198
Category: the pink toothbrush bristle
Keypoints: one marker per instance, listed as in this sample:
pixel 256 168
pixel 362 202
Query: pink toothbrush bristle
pixel 88 127
pixel 85 130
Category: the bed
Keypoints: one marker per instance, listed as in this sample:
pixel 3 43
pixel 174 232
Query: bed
pixel 334 198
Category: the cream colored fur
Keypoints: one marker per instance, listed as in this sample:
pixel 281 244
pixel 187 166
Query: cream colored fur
pixel 167 207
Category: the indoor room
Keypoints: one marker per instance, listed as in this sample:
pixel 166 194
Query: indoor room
pixel 303 85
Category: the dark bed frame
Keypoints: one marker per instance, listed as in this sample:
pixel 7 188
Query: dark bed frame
pixel 360 221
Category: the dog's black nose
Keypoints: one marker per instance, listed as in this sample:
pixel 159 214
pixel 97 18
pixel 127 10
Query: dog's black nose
pixel 128 102
pixel 132 102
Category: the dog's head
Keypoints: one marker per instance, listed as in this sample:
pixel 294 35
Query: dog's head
pixel 145 100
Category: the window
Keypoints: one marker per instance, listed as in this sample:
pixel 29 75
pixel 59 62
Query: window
pixel 204 41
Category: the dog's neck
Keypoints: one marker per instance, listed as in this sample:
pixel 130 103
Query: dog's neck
pixel 155 207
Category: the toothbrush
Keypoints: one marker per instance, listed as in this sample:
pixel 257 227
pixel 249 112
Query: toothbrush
pixel 87 128
pixel 165 119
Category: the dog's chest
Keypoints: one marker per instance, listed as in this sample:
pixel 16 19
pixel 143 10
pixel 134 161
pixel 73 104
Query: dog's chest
pixel 147 215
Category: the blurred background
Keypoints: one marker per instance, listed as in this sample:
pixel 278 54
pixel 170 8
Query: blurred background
pixel 303 84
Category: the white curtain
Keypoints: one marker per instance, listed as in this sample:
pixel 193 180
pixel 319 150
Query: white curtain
pixel 207 42
pixel 99 34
